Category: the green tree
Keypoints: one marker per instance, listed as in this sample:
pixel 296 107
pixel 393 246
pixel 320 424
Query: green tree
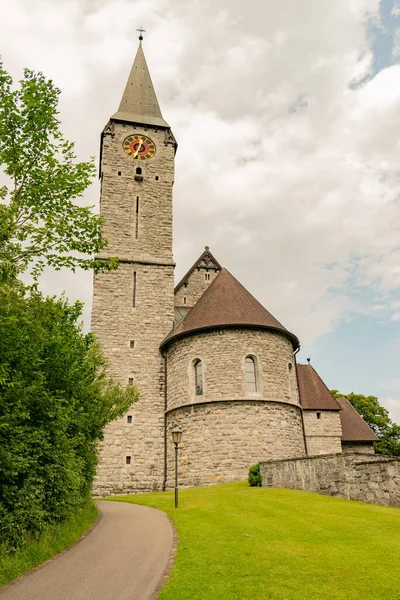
pixel 377 417
pixel 40 223
pixel 55 399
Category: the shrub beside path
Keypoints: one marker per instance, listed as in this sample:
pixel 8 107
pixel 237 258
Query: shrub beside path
pixel 124 557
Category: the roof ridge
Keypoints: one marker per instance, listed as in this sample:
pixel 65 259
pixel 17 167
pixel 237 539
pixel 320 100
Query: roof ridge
pixel 205 254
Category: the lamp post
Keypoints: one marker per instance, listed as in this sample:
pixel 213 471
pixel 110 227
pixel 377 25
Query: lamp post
pixel 176 437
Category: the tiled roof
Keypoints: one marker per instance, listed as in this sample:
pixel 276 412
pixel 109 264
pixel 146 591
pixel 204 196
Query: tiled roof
pixel 314 395
pixel 227 303
pixel 354 428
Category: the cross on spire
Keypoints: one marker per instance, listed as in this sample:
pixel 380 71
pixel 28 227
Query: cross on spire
pixel 141 30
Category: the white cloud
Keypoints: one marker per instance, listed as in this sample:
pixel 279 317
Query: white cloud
pixel 278 195
pixel 393 406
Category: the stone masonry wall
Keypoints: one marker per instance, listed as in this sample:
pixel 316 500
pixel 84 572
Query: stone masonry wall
pixel 131 315
pixel 196 286
pixel 120 190
pixel 223 356
pixel 367 477
pixel 359 447
pixel 222 439
pixel 323 431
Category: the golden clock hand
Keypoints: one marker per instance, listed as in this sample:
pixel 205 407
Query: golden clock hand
pixel 138 148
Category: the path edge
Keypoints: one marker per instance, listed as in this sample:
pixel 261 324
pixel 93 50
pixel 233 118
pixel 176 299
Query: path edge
pixel 33 570
pixel 168 569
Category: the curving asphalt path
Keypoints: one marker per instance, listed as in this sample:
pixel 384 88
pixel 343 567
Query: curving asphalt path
pixel 123 558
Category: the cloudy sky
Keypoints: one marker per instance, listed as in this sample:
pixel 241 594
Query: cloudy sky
pixel 287 115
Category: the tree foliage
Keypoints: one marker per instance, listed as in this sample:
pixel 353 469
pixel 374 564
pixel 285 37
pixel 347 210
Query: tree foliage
pixel 55 399
pixel 377 417
pixel 40 224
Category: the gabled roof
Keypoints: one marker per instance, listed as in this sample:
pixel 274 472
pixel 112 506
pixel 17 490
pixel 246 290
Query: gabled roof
pixel 139 102
pixel 206 259
pixel 354 428
pixel 314 395
pixel 227 303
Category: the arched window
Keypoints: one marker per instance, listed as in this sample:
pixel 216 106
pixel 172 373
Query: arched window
pixel 250 374
pixel 138 170
pixel 198 377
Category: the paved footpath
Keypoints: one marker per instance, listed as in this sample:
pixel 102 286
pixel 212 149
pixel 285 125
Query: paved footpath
pixel 123 558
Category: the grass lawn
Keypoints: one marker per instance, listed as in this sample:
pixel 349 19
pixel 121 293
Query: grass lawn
pixel 237 542
pixel 54 539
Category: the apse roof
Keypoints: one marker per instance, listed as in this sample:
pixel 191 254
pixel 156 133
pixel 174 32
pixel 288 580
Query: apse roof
pixel 139 102
pixel 314 394
pixel 354 428
pixel 227 303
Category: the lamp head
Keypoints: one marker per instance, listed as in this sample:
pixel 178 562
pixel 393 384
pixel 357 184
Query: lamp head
pixel 177 434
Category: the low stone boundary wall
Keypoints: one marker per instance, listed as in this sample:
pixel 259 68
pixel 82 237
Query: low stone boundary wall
pixel 372 478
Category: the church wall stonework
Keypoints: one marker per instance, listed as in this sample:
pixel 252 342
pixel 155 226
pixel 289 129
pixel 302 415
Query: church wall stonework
pixel 223 353
pixel 360 448
pixel 323 433
pixel 196 286
pixel 120 190
pixel 115 323
pixel 222 439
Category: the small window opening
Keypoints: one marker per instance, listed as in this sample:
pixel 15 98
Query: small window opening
pixel 129 419
pixel 185 284
pixel 134 290
pixel 130 381
pixel 184 300
pixel 207 276
pixel 156 177
pixel 138 170
pixel 290 366
pixel 137 218
pixel 318 415
pixel 198 377
pixel 119 173
pixel 131 343
pixel 128 460
pixel 250 374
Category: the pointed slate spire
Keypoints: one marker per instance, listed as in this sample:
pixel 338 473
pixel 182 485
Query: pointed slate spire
pixel 139 102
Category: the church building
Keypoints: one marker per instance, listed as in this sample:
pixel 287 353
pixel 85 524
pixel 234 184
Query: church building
pixel 205 355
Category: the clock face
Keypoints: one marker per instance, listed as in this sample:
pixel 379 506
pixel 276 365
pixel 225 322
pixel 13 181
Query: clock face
pixel 139 147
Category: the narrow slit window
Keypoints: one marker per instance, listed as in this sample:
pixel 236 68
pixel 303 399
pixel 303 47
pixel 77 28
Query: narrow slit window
pixel 130 381
pixel 184 300
pixel 138 171
pixel 250 372
pixel 129 419
pixel 318 415
pixel 198 377
pixel 134 290
pixel 137 218
pixel 128 460
pixel 131 343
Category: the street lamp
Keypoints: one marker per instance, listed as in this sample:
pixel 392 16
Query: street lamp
pixel 176 437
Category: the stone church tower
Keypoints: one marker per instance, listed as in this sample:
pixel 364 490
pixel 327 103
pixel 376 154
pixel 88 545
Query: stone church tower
pixel 133 307
pixel 206 355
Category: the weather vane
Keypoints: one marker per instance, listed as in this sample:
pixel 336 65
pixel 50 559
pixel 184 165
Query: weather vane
pixel 141 32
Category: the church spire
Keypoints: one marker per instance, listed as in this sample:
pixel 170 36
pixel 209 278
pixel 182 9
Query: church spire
pixel 139 102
